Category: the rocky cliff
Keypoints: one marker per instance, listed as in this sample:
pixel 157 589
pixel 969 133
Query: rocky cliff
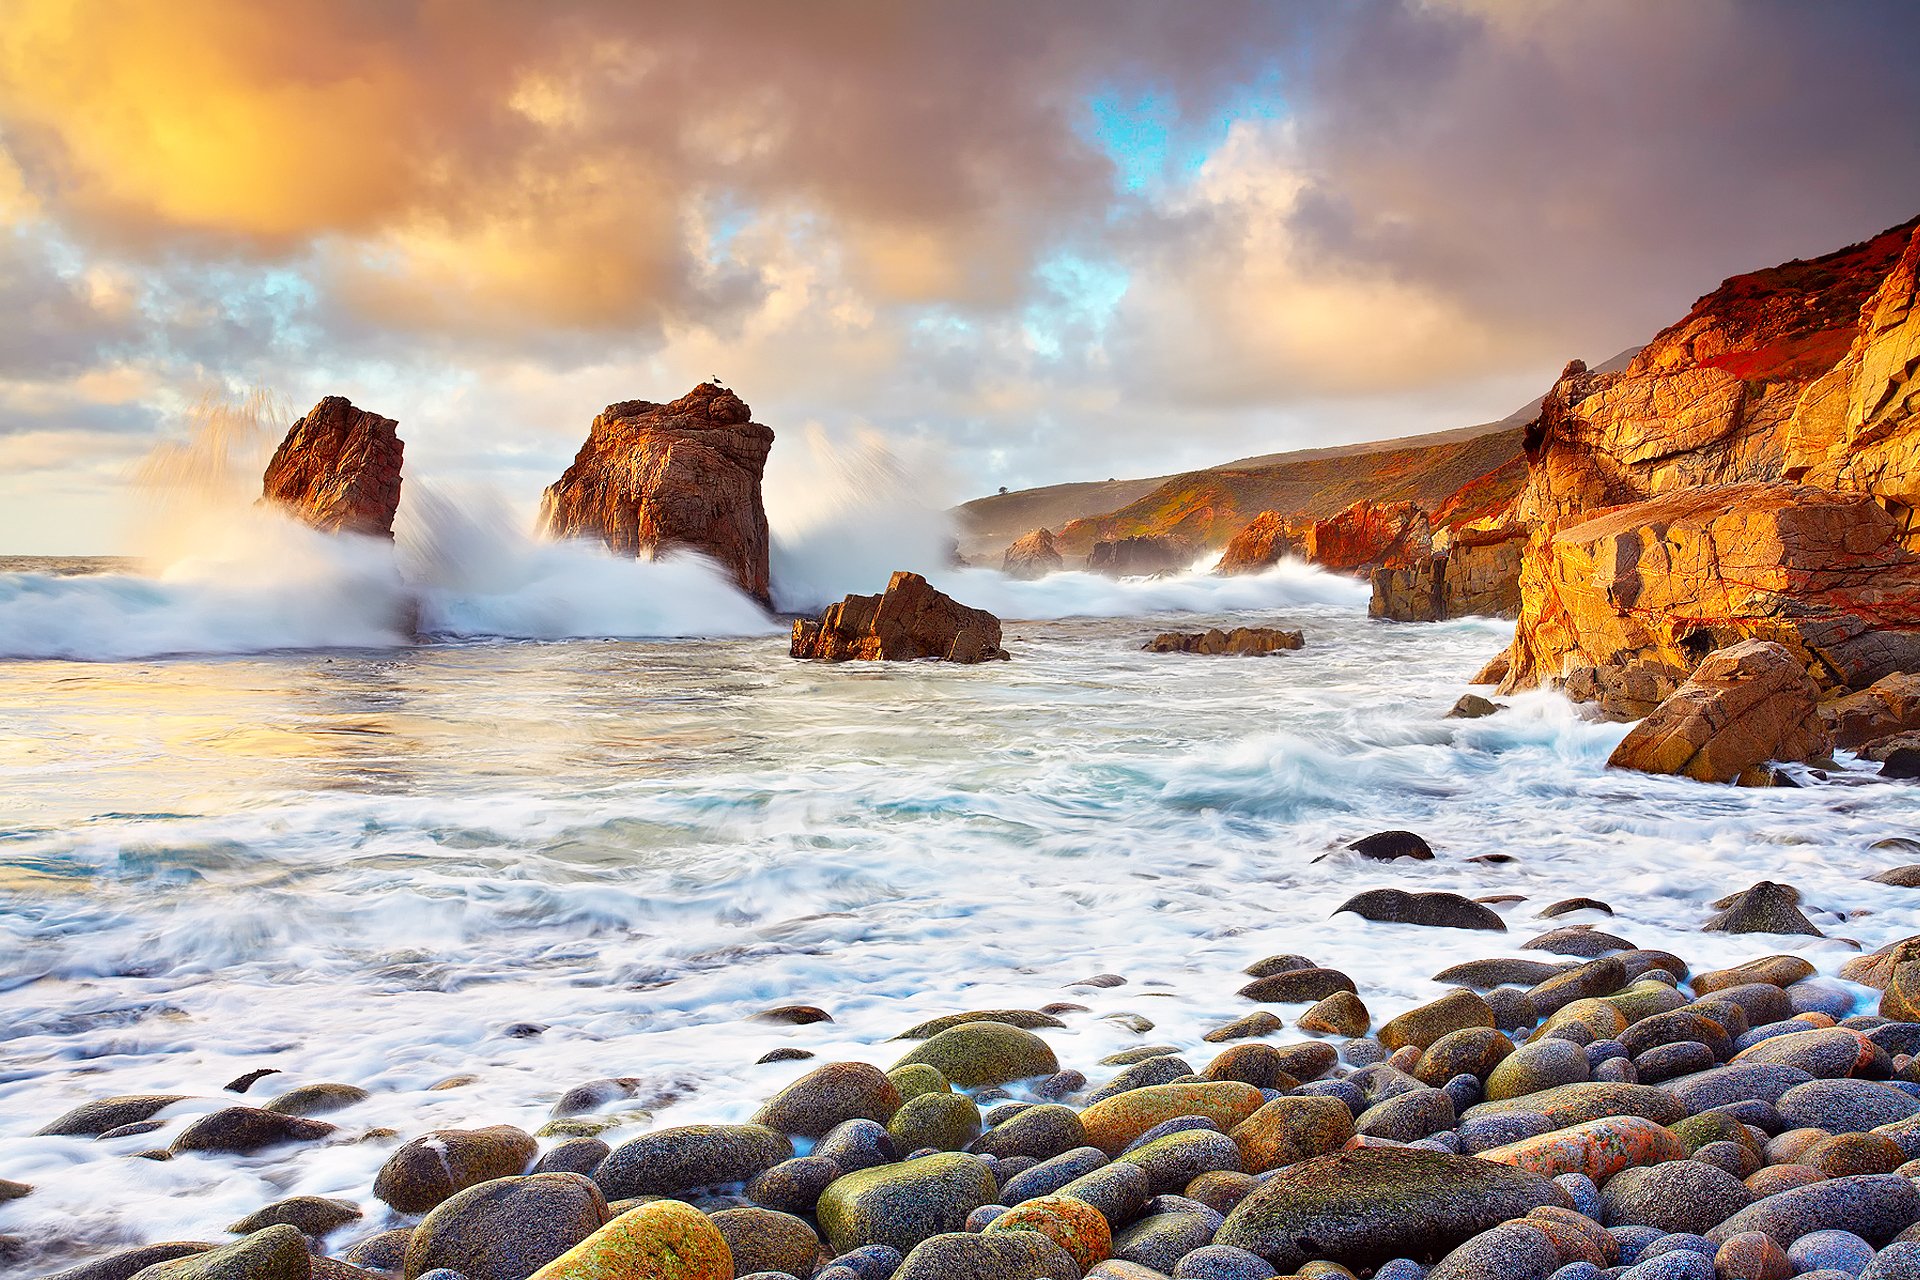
pixel 338 469
pixel 1751 474
pixel 654 477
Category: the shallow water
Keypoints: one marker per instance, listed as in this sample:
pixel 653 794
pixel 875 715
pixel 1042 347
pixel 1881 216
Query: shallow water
pixel 366 864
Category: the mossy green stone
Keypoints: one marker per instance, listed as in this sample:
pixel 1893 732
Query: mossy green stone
pixel 277 1253
pixel 942 1121
pixel 1644 999
pixel 902 1204
pixel 917 1078
pixel 1026 1019
pixel 983 1053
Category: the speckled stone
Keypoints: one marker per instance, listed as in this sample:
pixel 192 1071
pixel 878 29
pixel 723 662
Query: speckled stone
pixel 668 1161
pixel 1170 1163
pixel 423 1172
pixel 1407 1116
pixel 275 1253
pixel 1751 1255
pixel 1835 1250
pixel 1473 1051
pixel 1875 1206
pixel 1074 1225
pixel 902 1204
pixel 1846 1106
pixel 1223 1262
pixel 1118 1191
pixel 245 1130
pixel 1340 1014
pixel 1737 1083
pixel 1040 1132
pixel 1599 1149
pixel 1681 1264
pixel 828 1095
pixel 1160 1240
pixel 91 1119
pixel 1422 1026
pixel 793 1186
pixel 1678 1196
pixel 1577 1103
pixel 1296 986
pixel 1536 1067
pixel 311 1215
pixel 1112 1124
pixel 1484 1133
pixel 984 1053
pixel 1898 1261
pixel 1291 1129
pixel 1366 1206
pixel 1256 1064
pixel 1052 1174
pixel 1511 1251
pixel 942 1121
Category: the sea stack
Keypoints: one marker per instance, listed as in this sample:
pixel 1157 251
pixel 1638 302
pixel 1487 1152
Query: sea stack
pixel 338 470
pixel 654 477
pixel 911 620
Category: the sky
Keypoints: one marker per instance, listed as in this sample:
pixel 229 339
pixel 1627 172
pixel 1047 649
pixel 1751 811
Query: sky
pixel 1009 243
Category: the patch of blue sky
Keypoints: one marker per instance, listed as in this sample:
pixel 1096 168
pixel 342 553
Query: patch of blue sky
pixel 1153 143
pixel 1076 302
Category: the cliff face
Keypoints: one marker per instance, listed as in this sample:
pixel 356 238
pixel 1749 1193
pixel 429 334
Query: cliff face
pixel 652 477
pixel 1752 473
pixel 338 469
pixel 1710 399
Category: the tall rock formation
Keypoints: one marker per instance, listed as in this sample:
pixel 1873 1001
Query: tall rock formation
pixel 654 477
pixel 1269 538
pixel 1034 556
pixel 1752 473
pixel 338 469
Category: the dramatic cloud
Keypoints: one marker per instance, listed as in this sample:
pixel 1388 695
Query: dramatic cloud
pixel 1037 242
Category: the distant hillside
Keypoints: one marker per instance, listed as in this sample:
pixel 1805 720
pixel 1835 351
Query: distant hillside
pixel 1458 474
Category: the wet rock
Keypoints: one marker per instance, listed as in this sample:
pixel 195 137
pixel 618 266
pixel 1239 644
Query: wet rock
pixel 1681 1195
pixel 1075 1226
pixel 903 1204
pixel 310 1215
pixel 1270 965
pixel 1160 1240
pixel 1241 641
pixel 244 1130
pixel 1765 908
pixel 1363 1207
pixel 1051 1175
pixel 1164 1069
pixel 1742 1082
pixel 1573 1104
pixel 1297 986
pixel 1901 1000
pixel 11 1190
pixel 1259 1065
pixel 1038 1132
pixel 1824 1052
pixel 909 621
pixel 1432 910
pixel 1340 1014
pixel 941 1121
pixel 1745 705
pixel 664 1238
pixel 984 1053
pixel 507 1228
pixel 1385 846
pixel 1471 706
pixel 1172 1161
pixel 669 1161
pixel 829 1095
pixel 428 1169
pixel 1113 1124
pixel 317 1099
pixel 1517 1250
pixel 1257 1023
pixel 1846 1154
pixel 1407 1116
pixel 1223 1262
pixel 1874 1206
pixel 1779 971
pixel 1118 1191
pixel 1011 1255
pixel 1482 975
pixel 1751 1255
pixel 1845 1106
pixel 1595 1149
pixel 1840 1251
pixel 129 1262
pixel 574 1155
pixel 1596 978
pixel 275 1253
pixel 1577 940
pixel 1473 1051
pixel 91 1119
pixel 1537 1067
pixel 793 1186
pixel 763 1240
pixel 382 1251
pixel 1567 906
pixel 858 1144
pixel 1424 1025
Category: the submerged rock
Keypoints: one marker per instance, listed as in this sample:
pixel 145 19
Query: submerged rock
pixel 911 620
pixel 1434 910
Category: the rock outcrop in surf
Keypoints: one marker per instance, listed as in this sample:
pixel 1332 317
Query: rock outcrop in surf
pixel 338 470
pixel 653 478
pixel 909 621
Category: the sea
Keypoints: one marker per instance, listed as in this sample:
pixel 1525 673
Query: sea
pixel 594 819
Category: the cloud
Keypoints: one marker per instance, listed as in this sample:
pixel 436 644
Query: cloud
pixel 1042 242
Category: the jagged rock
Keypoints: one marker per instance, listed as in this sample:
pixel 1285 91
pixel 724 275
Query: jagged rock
pixel 338 469
pixel 1370 535
pixel 1034 556
pixel 656 477
pixel 1745 705
pixel 1888 706
pixel 1246 641
pixel 1471 706
pixel 1140 556
pixel 911 620
pixel 1268 539
pixel 1477 575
